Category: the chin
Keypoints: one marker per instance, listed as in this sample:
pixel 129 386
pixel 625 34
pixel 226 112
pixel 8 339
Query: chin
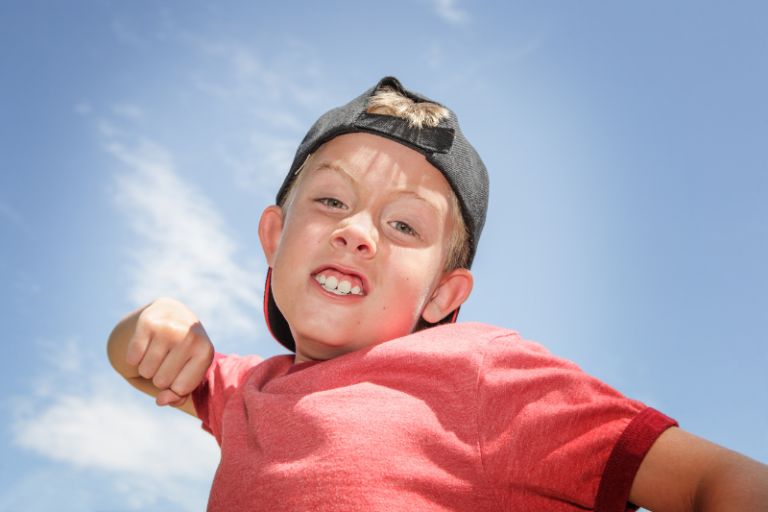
pixel 330 335
pixel 326 336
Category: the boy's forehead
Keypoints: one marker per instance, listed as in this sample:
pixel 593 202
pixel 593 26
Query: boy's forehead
pixel 369 160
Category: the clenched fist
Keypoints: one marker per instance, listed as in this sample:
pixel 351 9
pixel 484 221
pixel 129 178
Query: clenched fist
pixel 163 350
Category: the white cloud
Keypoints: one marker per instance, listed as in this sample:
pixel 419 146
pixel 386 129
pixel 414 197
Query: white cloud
pixel 268 84
pixel 107 129
pixel 65 355
pixel 99 426
pixel 128 111
pixel 96 422
pixel 244 77
pixel 183 248
pixel 449 11
pixel 81 413
pixel 107 431
pixel 278 93
pixel 261 162
pixel 83 108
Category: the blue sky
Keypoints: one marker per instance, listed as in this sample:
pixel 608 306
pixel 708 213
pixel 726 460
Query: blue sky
pixel 139 143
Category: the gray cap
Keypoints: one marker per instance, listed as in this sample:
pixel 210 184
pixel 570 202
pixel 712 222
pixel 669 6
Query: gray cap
pixel 444 146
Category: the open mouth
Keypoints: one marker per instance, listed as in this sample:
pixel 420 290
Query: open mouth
pixel 339 283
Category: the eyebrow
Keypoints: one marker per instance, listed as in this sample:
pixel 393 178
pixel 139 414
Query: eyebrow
pixel 409 193
pixel 333 166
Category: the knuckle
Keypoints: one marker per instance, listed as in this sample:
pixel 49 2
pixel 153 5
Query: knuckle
pixel 150 324
pixel 160 381
pixel 197 344
pixel 180 388
pixel 201 342
pixel 173 333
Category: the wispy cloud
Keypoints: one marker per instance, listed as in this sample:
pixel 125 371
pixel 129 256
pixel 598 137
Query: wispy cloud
pixel 183 247
pixel 449 11
pixel 80 412
pixel 243 74
pixel 83 414
pixel 83 108
pixel 260 162
pixel 127 110
pixel 277 95
pixel 119 435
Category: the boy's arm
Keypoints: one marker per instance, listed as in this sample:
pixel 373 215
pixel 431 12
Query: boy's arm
pixel 162 350
pixel 682 472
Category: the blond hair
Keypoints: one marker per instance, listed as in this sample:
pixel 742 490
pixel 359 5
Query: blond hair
pixel 390 102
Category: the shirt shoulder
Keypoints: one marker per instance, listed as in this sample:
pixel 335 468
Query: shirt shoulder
pixel 545 423
pixel 223 380
pixel 465 339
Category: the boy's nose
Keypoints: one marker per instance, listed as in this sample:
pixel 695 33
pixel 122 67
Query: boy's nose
pixel 356 235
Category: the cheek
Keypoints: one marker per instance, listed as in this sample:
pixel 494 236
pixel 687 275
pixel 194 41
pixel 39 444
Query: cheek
pixel 299 235
pixel 415 278
pixel 290 265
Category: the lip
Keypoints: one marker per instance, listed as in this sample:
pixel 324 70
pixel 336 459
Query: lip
pixel 343 270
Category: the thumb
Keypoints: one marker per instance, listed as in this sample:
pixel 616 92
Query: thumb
pixel 168 397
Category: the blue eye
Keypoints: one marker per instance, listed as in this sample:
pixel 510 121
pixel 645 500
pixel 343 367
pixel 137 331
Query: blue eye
pixel 402 227
pixel 333 203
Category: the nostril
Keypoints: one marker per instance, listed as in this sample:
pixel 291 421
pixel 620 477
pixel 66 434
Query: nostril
pixel 355 240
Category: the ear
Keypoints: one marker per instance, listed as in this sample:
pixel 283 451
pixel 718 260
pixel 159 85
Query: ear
pixel 453 290
pixel 270 231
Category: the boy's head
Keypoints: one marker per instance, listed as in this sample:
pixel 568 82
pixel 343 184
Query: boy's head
pixel 376 225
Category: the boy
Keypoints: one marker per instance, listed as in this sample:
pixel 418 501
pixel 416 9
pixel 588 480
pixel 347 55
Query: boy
pixel 387 404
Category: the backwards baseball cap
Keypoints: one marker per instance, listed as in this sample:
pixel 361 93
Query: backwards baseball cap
pixel 444 146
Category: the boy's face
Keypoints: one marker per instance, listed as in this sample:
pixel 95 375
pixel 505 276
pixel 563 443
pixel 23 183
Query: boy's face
pixel 374 213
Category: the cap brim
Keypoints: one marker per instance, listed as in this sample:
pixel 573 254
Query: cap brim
pixel 276 322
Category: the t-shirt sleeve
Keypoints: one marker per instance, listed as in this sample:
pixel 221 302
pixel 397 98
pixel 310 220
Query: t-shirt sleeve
pixel 625 459
pixel 221 381
pixel 554 437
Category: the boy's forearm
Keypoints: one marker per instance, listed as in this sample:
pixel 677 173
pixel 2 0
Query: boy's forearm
pixel 684 473
pixel 738 484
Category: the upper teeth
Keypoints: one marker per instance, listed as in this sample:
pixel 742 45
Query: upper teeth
pixel 339 288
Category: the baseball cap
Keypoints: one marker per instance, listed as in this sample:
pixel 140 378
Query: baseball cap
pixel 444 146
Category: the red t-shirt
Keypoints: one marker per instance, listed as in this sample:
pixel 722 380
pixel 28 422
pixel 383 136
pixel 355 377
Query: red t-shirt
pixel 458 417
